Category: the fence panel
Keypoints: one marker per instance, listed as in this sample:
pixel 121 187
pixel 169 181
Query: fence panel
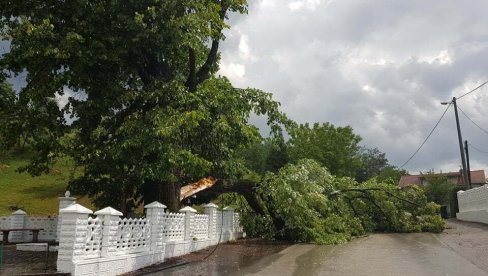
pixel 93 240
pixel 133 235
pixel 174 227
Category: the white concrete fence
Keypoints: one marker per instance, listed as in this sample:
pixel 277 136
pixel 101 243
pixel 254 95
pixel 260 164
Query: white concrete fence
pixel 473 204
pixel 19 219
pixel 103 243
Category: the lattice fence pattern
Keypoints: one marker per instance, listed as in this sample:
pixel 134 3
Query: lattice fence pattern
pixel 219 223
pixel 200 226
pixel 93 240
pixel 174 227
pixel 237 223
pixel 133 235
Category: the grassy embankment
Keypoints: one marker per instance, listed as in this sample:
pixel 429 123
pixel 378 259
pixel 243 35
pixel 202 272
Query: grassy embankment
pixel 38 196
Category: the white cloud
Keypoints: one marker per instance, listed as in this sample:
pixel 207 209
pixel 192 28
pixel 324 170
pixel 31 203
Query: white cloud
pixel 443 58
pixel 382 67
pixel 234 71
pixel 295 5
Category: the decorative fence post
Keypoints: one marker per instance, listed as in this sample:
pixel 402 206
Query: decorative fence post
pixel 189 216
pixel 211 211
pixel 228 223
pixel 64 201
pixel 111 218
pixel 17 220
pixel 72 236
pixel 155 214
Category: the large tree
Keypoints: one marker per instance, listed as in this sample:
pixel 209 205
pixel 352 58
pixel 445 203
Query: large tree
pixel 144 111
pixel 373 163
pixel 336 148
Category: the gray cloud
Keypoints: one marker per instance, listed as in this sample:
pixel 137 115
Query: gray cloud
pixel 382 67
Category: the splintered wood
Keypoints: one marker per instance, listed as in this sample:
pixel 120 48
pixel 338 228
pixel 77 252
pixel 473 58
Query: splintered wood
pixel 200 185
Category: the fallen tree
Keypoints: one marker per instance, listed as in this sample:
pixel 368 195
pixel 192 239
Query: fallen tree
pixel 305 203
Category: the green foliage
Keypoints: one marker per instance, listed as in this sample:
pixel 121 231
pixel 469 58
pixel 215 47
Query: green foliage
pixel 307 204
pixel 391 174
pixel 336 148
pixel 438 188
pixel 267 156
pixel 373 161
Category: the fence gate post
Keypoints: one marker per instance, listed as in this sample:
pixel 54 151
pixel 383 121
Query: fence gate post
pixel 211 211
pixel 189 217
pixel 72 236
pixel 17 220
pixel 155 214
pixel 64 201
pixel 228 223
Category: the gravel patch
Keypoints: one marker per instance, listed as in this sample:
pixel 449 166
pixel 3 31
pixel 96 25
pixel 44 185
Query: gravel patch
pixel 468 239
pixel 26 262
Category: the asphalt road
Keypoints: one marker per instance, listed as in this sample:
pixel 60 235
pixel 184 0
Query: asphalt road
pixel 377 254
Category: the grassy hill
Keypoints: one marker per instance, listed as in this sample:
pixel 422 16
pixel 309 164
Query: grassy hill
pixel 35 195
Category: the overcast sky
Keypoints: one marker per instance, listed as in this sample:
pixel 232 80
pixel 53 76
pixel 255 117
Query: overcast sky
pixel 382 67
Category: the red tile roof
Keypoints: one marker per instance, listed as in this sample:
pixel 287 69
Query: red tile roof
pixel 477 178
pixel 409 179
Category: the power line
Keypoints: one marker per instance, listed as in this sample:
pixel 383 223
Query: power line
pixel 471 91
pixel 482 129
pixel 482 151
pixel 428 136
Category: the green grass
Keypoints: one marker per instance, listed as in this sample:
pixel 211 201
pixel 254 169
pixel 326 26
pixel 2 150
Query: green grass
pixel 38 196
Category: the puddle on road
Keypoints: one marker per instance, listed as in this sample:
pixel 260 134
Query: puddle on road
pixel 312 261
pixel 231 259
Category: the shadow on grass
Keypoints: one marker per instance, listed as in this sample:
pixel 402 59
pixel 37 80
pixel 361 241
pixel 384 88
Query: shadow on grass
pixel 44 191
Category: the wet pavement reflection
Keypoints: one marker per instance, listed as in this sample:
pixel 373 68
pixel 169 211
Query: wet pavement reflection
pixel 377 254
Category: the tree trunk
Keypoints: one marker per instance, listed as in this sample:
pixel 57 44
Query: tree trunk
pixel 170 195
pixel 151 192
pixel 243 187
pixel 123 201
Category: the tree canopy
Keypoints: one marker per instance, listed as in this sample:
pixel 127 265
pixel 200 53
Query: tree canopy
pixel 144 111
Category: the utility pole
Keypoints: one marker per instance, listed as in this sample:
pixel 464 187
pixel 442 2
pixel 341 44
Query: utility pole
pixel 467 162
pixel 460 138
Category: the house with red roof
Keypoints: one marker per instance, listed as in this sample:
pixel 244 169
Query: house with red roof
pixel 478 178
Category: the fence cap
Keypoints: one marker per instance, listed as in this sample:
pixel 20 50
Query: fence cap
pixel 108 211
pixel 187 209
pixel 210 205
pixel 155 204
pixel 19 212
pixel 228 208
pixel 76 209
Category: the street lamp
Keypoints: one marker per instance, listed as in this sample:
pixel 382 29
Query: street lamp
pixel 460 138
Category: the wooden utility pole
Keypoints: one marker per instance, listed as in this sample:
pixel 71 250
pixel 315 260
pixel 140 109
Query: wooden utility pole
pixel 460 139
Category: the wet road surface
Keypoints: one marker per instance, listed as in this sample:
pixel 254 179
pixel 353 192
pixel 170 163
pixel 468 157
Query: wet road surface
pixel 377 254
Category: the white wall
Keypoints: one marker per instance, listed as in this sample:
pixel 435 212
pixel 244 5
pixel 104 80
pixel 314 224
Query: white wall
pixel 473 205
pixel 109 245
